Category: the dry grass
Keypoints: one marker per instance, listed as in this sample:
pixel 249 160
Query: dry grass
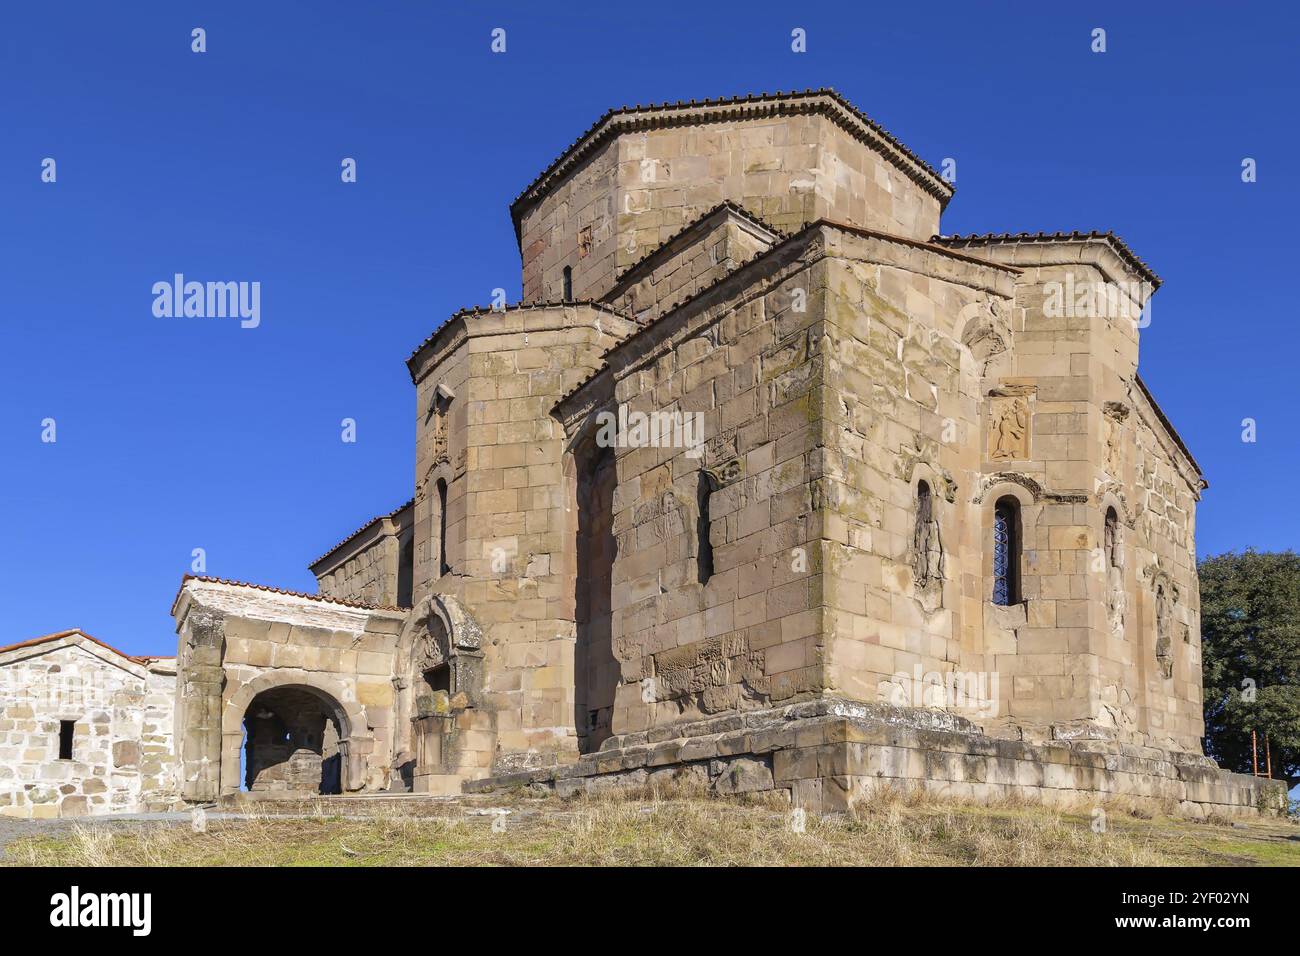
pixel 679 829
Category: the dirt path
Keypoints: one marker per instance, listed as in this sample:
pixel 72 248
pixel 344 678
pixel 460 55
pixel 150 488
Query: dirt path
pixel 15 828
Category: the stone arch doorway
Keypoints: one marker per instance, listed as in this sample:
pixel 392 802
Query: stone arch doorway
pixel 297 733
pixel 439 684
pixel 293 742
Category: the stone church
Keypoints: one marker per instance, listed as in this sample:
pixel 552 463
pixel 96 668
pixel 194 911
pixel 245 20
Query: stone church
pixel 765 484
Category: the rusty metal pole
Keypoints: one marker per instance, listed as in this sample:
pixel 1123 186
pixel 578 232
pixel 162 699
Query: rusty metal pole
pixel 1268 758
pixel 1254 755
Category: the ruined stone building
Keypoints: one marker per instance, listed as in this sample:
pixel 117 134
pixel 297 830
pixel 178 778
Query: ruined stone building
pixel 766 484
pixel 84 728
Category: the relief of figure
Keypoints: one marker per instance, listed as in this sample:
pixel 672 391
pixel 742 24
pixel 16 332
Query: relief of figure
pixel 927 547
pixel 1115 415
pixel 929 554
pixel 1116 596
pixel 1010 430
pixel 440 437
pixel 986 333
pixel 1164 645
pixel 1116 601
pixel 439 409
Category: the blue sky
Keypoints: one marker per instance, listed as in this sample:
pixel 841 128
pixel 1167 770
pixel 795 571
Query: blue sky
pixel 175 434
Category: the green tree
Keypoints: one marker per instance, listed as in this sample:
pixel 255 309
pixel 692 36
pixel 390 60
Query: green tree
pixel 1250 649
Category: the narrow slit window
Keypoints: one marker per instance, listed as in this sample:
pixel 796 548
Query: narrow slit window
pixel 66 729
pixel 703 493
pixel 568 283
pixel 1006 552
pixel 406 574
pixel 443 566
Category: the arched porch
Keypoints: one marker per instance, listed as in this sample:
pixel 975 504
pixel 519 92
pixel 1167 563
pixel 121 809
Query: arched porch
pixel 299 735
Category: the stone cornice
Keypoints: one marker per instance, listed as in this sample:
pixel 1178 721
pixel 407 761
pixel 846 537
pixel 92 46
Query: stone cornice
pixel 1127 259
pixel 520 317
pixel 825 102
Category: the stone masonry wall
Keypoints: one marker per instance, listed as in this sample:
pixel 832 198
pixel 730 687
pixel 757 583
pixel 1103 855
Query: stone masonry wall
pixel 704 253
pixel 904 407
pixel 511 527
pixel 1165 551
pixel 742 356
pixel 122 758
pixel 643 186
pixel 374 566
pixel 1122 641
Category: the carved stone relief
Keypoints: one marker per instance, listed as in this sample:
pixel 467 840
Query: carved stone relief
pixel 1008 438
pixel 986 333
pixel 925 451
pixel 1116 596
pixel 927 554
pixel 1115 415
pixel 1166 598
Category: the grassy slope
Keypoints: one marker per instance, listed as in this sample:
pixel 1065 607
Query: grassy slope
pixel 677 831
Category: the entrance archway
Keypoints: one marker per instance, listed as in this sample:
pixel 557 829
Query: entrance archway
pixel 303 731
pixel 292 738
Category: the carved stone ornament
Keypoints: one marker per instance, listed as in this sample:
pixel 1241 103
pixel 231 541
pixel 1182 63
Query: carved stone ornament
pixel 1008 438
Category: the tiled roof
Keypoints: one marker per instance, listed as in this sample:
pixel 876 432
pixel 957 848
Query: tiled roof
pixel 658 115
pixel 392 514
pixel 471 311
pixel 266 587
pixel 142 659
pixel 1119 245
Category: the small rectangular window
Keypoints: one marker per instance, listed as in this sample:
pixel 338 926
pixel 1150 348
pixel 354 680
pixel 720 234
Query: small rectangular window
pixel 66 729
pixel 439 678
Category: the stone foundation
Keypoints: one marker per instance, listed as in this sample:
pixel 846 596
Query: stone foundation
pixel 827 753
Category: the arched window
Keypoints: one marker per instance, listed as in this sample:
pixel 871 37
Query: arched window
pixel 443 565
pixel 1006 551
pixel 1111 542
pixel 568 283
